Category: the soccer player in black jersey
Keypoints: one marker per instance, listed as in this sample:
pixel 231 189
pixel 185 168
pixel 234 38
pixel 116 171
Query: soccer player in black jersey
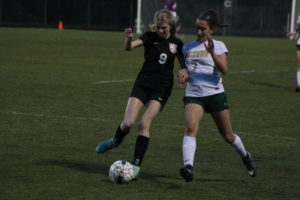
pixel 153 84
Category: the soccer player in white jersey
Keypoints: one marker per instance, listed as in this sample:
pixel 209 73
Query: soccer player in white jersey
pixel 298 52
pixel 205 59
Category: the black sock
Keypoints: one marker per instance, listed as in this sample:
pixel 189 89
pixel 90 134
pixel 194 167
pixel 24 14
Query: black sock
pixel 119 136
pixel 140 149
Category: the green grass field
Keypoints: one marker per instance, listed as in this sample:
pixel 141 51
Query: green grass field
pixel 62 92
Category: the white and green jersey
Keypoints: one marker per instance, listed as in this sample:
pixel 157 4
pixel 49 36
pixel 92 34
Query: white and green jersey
pixel 204 77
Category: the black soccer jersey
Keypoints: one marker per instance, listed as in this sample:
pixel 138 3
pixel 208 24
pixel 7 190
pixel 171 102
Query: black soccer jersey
pixel 159 55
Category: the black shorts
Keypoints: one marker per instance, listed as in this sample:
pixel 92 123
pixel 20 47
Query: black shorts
pixel 145 94
pixel 298 47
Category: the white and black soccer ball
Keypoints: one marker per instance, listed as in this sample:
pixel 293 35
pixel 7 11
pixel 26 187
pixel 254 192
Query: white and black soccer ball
pixel 121 171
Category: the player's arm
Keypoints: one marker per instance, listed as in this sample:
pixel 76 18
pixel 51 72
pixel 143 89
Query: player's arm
pixel 182 73
pixel 291 34
pixel 220 60
pixel 181 61
pixel 128 40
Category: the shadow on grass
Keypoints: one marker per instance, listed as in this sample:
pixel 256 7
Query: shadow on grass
pixel 170 182
pixel 79 166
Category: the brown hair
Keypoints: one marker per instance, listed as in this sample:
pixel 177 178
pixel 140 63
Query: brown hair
pixel 164 16
pixel 212 19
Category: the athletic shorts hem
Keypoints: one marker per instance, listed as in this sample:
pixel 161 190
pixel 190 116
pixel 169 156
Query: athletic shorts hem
pixel 210 104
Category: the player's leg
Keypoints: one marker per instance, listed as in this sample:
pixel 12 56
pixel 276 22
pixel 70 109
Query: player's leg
pixel 153 108
pixel 193 114
pixel 298 71
pixel 222 120
pixel 133 107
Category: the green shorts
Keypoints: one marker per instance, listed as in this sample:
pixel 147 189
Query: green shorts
pixel 214 103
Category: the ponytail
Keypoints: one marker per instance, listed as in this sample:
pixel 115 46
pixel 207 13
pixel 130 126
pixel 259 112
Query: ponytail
pixel 212 19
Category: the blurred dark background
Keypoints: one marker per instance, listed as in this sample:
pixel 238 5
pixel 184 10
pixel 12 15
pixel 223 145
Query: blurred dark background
pixel 85 14
pixel 245 17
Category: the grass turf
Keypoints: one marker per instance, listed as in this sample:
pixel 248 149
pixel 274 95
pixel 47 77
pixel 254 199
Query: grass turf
pixel 55 106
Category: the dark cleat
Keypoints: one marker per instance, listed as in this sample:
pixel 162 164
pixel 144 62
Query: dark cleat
pixel 250 164
pixel 187 173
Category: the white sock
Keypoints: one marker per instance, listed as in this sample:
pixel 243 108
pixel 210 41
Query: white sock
pixel 239 146
pixel 298 78
pixel 188 150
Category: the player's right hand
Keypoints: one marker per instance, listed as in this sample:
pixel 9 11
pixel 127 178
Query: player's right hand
pixel 210 44
pixel 128 32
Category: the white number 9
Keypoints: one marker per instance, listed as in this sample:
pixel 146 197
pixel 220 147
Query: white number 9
pixel 163 58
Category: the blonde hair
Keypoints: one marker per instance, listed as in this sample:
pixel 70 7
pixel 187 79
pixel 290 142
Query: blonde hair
pixel 164 16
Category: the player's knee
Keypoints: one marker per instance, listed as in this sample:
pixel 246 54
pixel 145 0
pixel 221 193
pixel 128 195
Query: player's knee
pixel 144 125
pixel 191 130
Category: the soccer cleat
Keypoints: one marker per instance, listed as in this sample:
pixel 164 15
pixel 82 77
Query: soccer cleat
pixel 187 173
pixel 136 171
pixel 106 145
pixel 250 164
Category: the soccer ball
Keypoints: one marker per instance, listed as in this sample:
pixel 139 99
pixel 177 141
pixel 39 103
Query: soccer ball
pixel 121 171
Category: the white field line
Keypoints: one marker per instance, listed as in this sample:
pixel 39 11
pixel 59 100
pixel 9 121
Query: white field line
pixel 55 116
pixel 251 72
pixel 118 121
pixel 238 72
